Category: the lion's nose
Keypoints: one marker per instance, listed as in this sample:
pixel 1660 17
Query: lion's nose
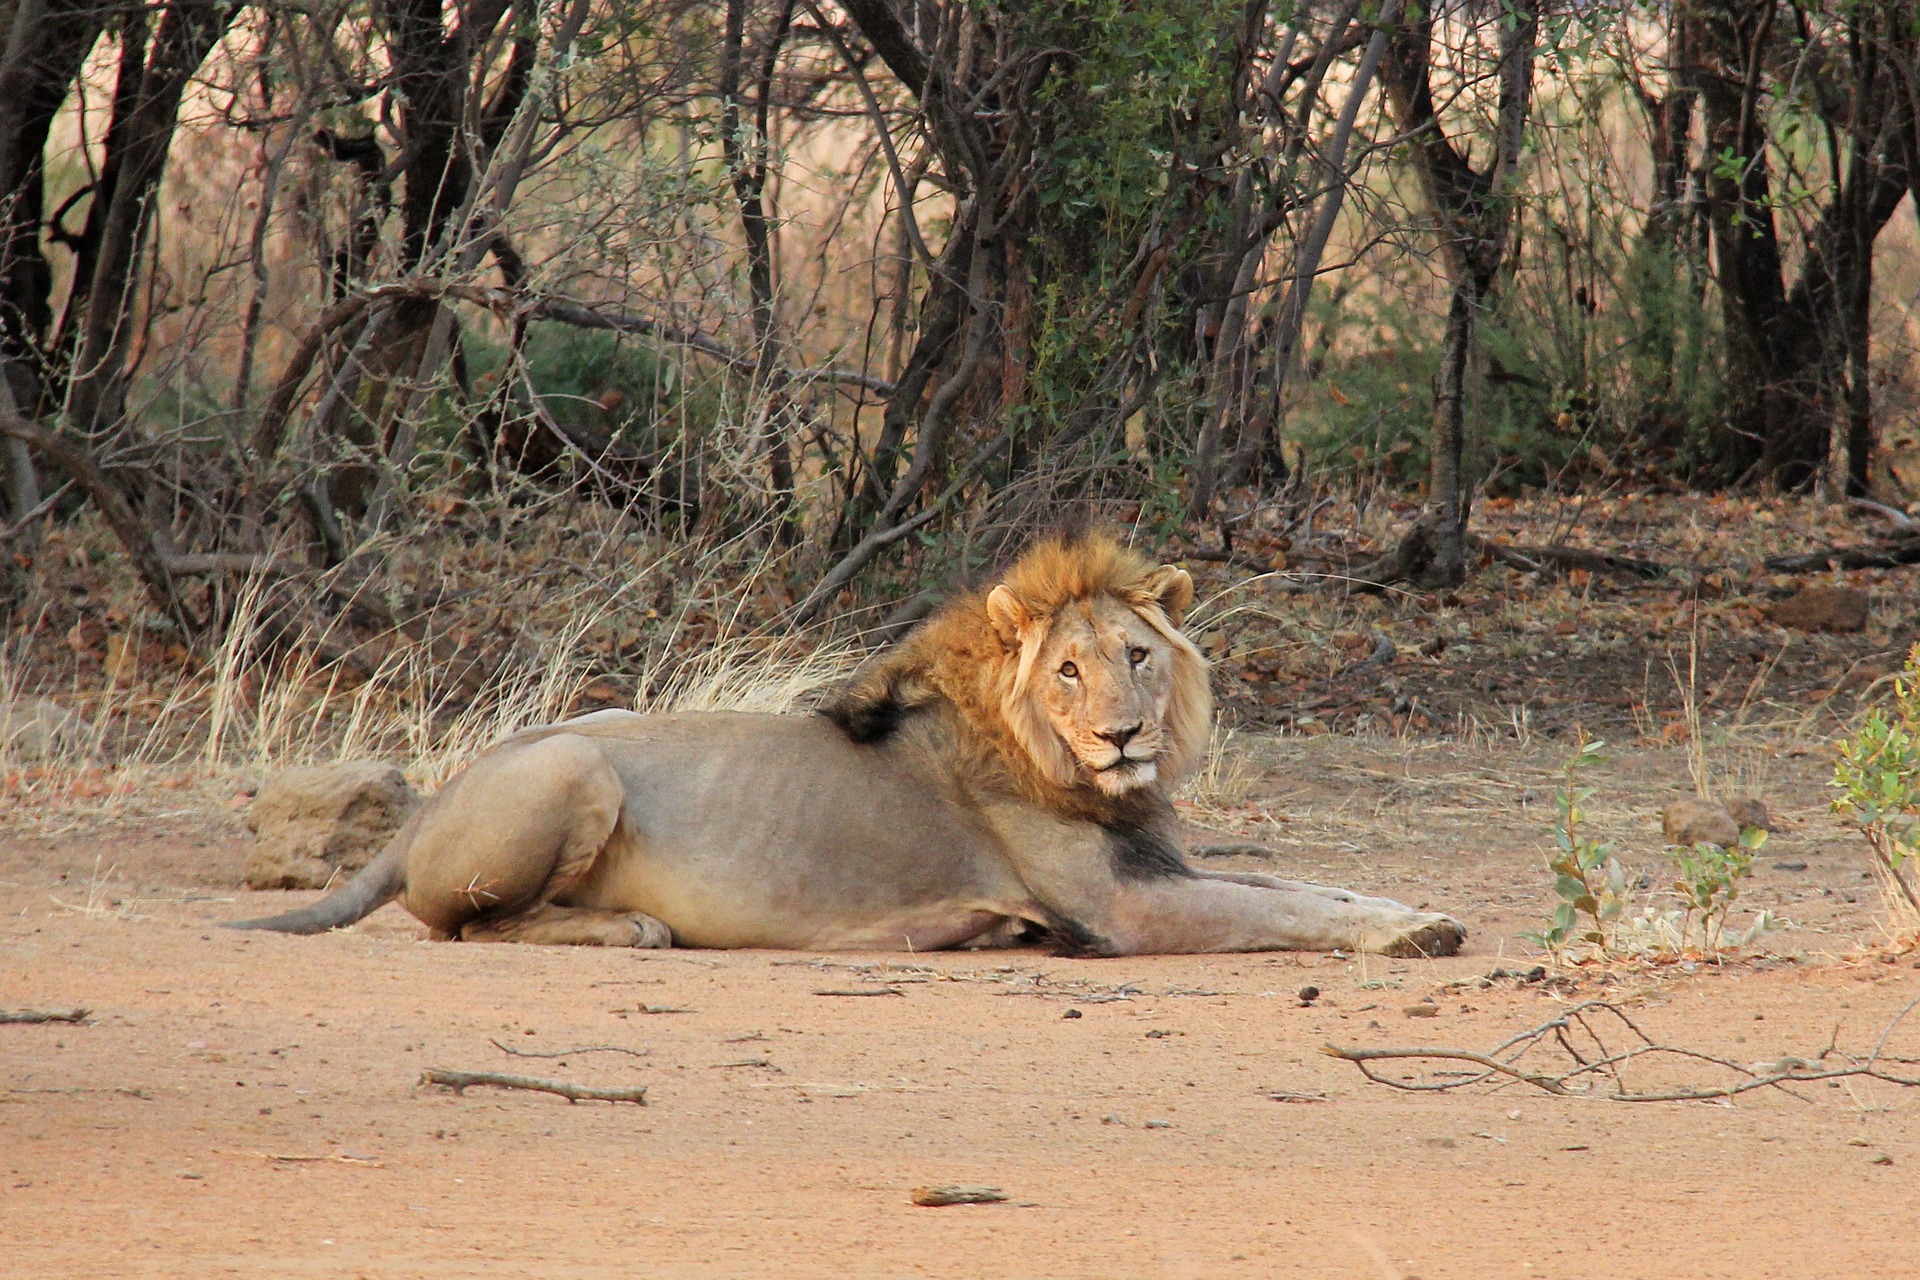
pixel 1121 737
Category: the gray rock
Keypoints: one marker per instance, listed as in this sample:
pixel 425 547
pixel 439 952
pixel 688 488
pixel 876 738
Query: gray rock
pixel 316 823
pixel 36 729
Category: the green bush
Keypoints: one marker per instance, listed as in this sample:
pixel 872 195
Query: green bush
pixel 1877 777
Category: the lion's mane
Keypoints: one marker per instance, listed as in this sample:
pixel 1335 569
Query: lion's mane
pixel 958 658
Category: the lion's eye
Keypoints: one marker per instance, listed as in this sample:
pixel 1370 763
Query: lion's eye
pixel 1136 656
pixel 1069 671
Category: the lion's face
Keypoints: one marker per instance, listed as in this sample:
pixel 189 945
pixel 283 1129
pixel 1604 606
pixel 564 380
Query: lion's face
pixel 1107 691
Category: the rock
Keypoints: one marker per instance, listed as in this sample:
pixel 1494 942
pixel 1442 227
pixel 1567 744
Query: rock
pixel 1693 821
pixel 318 821
pixel 1822 607
pixel 1749 812
pixel 36 729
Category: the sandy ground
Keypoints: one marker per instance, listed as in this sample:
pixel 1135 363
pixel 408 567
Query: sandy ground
pixel 248 1105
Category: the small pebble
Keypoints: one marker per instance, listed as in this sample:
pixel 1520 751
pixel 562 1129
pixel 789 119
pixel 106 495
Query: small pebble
pixel 1072 1013
pixel 956 1193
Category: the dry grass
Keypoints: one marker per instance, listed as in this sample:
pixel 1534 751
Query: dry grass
pixel 188 738
pixel 1224 779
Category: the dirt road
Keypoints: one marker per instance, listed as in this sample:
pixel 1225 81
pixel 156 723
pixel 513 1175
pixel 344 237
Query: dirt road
pixel 248 1105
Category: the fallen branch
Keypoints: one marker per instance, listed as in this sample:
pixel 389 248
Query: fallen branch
pixel 461 1081
pixel 335 1157
pixel 1881 509
pixel 43 1015
pixel 863 991
pixel 1560 556
pixel 566 1053
pixel 1887 554
pixel 1591 1070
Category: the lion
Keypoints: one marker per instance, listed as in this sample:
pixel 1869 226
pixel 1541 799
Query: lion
pixel 1003 776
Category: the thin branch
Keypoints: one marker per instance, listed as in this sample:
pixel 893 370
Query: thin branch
pixel 1602 1077
pixel 879 118
pixel 1534 559
pixel 41 508
pixel 1880 555
pixel 593 317
pixel 461 1081
pixel 566 1053
pixel 133 532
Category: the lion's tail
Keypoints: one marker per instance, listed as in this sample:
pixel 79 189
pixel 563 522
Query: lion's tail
pixel 372 887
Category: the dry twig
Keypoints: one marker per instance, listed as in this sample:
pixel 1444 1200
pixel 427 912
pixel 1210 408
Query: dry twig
pixel 461 1081
pixel 567 1053
pixel 43 1015
pixel 334 1157
pixel 1533 559
pixel 1590 1069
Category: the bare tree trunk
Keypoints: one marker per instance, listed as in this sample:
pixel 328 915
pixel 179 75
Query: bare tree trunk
pixel 748 163
pixel 146 108
pixel 1448 491
pixel 1791 351
pixel 1264 410
pixel 43 44
pixel 1475 210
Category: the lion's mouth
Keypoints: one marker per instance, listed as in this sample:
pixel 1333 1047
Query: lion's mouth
pixel 1124 773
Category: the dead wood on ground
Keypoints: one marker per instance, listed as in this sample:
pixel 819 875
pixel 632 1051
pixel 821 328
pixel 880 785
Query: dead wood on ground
pixel 461 1081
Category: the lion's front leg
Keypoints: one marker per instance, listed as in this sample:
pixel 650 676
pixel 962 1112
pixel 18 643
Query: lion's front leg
pixel 1229 911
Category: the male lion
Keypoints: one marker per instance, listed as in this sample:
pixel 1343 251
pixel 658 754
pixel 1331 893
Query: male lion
pixel 1003 774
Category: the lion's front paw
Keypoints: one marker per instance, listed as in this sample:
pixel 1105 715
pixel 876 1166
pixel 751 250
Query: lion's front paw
pixel 1427 933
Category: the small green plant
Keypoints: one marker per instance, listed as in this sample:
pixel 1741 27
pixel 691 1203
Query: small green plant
pixel 1877 777
pixel 1589 880
pixel 1592 886
pixel 1708 882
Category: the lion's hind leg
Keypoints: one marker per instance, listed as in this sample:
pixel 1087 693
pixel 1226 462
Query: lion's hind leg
pixel 550 925
pixel 521 827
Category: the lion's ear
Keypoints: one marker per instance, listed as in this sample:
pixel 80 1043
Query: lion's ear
pixel 1170 587
pixel 1008 614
